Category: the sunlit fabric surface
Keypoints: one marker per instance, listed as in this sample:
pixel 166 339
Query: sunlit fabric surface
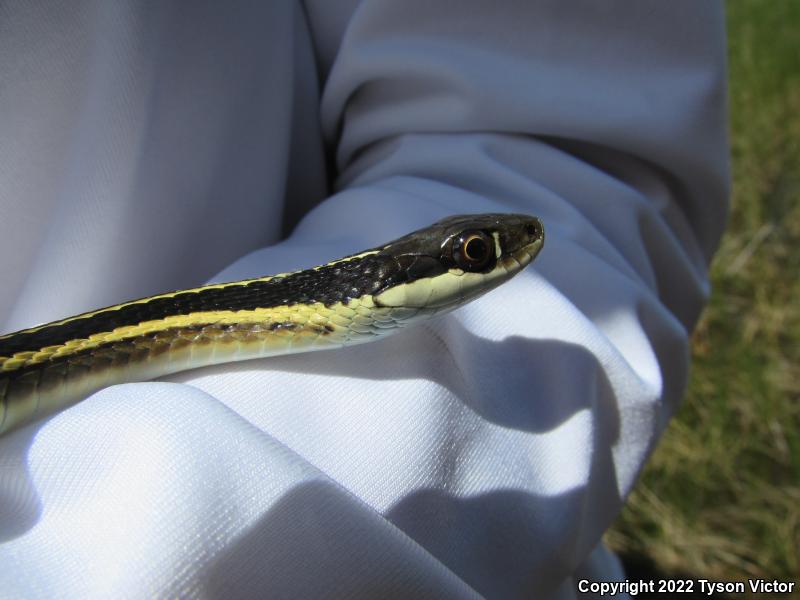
pixel 146 147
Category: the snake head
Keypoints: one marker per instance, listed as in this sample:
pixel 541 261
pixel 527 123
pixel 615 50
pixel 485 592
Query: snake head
pixel 457 259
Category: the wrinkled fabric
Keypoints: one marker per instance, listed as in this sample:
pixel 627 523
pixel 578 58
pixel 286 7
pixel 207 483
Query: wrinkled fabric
pixel 153 146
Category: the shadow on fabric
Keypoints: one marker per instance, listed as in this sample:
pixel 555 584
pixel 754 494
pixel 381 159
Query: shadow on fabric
pixel 20 504
pixel 504 383
pixel 319 541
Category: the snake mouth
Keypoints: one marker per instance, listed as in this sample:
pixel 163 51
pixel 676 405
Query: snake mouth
pixel 525 255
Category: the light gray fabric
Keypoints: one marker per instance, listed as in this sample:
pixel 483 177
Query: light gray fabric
pixel 145 146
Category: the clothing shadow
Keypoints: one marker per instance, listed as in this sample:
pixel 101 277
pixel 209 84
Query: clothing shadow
pixel 320 541
pixel 20 503
pixel 531 385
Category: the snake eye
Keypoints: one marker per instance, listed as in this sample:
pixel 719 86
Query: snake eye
pixel 473 250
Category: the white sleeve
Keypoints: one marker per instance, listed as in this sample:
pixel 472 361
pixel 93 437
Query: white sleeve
pixel 483 453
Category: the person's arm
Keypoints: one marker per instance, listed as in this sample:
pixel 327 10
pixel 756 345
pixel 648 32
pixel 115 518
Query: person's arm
pixel 606 120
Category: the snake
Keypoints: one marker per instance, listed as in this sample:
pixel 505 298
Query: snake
pixel 351 300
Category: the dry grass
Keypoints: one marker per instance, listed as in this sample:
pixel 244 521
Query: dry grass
pixel 720 498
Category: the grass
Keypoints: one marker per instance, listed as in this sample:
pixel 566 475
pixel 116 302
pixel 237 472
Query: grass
pixel 720 498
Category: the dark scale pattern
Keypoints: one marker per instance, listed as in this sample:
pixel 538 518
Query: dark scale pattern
pixel 329 284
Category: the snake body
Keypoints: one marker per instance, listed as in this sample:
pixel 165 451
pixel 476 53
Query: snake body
pixel 352 300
